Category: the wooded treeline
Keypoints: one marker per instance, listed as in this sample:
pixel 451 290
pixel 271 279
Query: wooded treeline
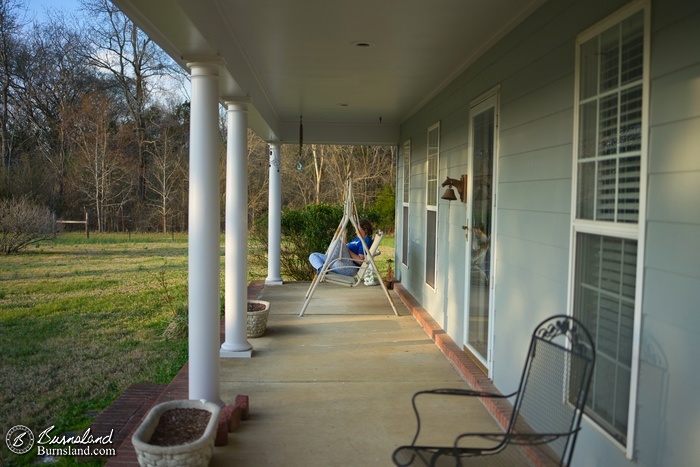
pixel 94 117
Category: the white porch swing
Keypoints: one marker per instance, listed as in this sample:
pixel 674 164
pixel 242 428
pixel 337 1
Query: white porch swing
pixel 327 275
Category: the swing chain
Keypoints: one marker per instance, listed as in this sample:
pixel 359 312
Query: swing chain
pixel 301 139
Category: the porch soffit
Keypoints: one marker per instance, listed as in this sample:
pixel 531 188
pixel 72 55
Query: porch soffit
pixel 301 58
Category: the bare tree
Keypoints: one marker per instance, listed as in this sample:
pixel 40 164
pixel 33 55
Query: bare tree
pixel 135 62
pixel 53 77
pixel 258 176
pixel 371 167
pixel 339 168
pixel 167 153
pixel 10 28
pixel 102 176
pixel 298 187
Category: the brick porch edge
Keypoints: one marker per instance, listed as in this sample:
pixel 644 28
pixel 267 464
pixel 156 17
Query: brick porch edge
pixel 177 389
pixel 500 409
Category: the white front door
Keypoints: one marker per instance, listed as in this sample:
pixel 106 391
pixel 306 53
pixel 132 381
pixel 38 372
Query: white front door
pixel 479 228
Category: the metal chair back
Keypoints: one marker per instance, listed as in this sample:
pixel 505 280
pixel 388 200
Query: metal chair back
pixel 553 388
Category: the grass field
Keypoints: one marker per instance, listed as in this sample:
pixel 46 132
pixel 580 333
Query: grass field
pixel 81 320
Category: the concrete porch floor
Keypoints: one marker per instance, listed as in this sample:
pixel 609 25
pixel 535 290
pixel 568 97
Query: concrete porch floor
pixel 334 387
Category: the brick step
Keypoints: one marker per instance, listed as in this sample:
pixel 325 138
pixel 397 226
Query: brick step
pixel 125 413
pixel 177 389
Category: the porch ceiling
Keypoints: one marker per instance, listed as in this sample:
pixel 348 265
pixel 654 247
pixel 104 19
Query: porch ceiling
pixel 301 58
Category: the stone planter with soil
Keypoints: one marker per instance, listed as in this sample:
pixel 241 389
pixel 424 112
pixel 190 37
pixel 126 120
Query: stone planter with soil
pixel 177 433
pixel 258 312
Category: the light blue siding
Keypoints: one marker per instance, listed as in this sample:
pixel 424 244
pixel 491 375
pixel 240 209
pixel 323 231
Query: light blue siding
pixel 533 66
pixel 680 142
pixel 669 401
pixel 529 226
pixel 525 166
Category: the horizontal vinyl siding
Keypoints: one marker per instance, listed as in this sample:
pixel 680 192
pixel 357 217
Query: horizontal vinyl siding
pixel 553 98
pixel 669 380
pixel 528 226
pixel 676 96
pixel 543 133
pixel 554 163
pixel 539 195
pixel 534 190
pixel 669 408
pixel 534 68
pixel 671 205
pixel 684 135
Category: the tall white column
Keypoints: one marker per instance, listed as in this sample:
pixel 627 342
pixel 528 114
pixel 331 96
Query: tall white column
pixel 236 279
pixel 274 218
pixel 204 229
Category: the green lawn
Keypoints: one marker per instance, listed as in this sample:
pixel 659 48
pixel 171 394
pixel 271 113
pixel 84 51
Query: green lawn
pixel 386 248
pixel 81 320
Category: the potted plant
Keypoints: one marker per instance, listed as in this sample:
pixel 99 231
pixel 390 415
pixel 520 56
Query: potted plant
pixel 258 312
pixel 177 433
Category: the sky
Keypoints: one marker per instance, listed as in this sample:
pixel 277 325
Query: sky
pixel 39 7
pixel 36 10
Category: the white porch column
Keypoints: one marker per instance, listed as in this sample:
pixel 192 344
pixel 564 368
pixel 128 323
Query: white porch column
pixel 274 219
pixel 204 229
pixel 236 279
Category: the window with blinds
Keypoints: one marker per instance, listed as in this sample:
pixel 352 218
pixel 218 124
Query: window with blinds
pixel 605 289
pixel 610 123
pixel 431 249
pixel 431 204
pixel 406 193
pixel 406 170
pixel 404 238
pixel 611 103
pixel 433 150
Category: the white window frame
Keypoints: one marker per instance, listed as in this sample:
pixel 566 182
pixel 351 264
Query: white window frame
pixel 405 198
pixel 612 229
pixel 429 207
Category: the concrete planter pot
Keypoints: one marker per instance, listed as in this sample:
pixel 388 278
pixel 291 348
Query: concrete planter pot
pixel 258 312
pixel 194 453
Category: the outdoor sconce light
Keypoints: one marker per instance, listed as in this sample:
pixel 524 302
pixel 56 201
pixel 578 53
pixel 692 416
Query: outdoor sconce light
pixel 451 183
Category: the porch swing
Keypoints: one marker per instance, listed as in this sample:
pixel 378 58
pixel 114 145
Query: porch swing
pixel 326 273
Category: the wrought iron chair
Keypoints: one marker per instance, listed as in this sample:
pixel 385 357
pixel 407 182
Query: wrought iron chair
pixel 547 406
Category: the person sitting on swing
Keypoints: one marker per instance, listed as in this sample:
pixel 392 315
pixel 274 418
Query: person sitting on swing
pixel 351 254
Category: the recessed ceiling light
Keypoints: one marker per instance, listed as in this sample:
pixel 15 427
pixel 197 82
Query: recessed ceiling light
pixel 362 44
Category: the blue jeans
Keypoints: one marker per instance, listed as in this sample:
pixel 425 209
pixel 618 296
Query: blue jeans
pixel 344 266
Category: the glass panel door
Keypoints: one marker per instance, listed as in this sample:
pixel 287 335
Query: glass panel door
pixel 480 228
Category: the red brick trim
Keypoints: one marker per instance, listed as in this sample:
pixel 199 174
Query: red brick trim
pixel 501 409
pixel 177 389
pixel 254 289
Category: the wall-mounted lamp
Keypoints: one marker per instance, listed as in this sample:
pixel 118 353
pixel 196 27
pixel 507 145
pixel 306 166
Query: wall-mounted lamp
pixel 460 184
